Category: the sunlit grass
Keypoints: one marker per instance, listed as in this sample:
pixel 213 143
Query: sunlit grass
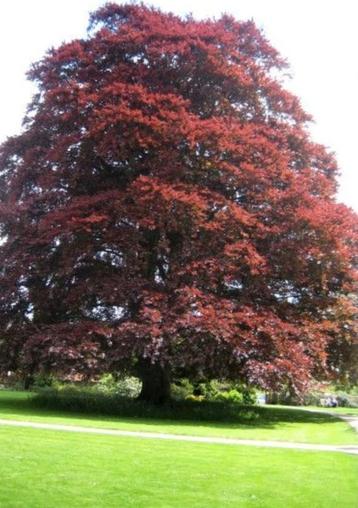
pixel 263 423
pixel 42 468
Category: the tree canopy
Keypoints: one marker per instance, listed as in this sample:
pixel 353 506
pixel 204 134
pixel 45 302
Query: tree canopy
pixel 165 209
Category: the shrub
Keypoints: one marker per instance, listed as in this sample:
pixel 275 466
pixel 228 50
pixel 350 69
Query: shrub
pixel 230 396
pixel 123 386
pixel 44 380
pixel 182 389
pixel 214 390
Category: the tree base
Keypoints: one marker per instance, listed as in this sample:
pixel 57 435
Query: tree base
pixel 28 382
pixel 155 382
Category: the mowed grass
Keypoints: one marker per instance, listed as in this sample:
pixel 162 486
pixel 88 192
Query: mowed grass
pixel 350 411
pixel 48 469
pixel 262 423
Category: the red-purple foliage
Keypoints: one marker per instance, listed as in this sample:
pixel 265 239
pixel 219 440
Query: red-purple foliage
pixel 165 202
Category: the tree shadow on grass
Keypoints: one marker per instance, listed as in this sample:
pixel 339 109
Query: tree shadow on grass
pixel 85 406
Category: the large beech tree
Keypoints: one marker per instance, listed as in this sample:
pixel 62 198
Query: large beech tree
pixel 164 210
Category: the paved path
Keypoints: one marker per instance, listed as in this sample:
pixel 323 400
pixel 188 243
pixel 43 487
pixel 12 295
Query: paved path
pixel 350 419
pixel 175 437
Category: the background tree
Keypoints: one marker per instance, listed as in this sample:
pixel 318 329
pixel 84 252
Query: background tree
pixel 164 209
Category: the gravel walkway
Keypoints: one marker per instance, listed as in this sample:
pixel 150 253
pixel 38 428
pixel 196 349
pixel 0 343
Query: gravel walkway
pixel 175 437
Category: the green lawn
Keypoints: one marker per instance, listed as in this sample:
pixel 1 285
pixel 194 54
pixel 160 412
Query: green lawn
pixel 267 423
pixel 353 411
pixel 48 469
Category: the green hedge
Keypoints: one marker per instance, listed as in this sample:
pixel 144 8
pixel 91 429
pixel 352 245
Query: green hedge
pixel 90 401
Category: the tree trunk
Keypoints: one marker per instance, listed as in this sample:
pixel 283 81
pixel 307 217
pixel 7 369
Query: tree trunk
pixel 28 382
pixel 156 382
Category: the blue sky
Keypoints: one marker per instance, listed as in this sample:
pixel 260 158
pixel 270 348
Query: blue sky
pixel 319 38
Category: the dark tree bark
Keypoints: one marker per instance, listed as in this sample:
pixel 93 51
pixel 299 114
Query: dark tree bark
pixel 29 382
pixel 156 382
